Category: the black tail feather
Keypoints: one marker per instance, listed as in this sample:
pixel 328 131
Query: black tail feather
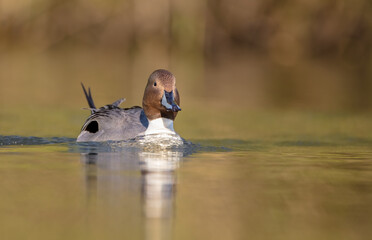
pixel 89 97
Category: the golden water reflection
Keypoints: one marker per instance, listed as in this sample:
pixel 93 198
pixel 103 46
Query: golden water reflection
pixel 288 189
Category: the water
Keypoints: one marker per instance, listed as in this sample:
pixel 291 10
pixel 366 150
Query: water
pixel 251 171
pixel 53 188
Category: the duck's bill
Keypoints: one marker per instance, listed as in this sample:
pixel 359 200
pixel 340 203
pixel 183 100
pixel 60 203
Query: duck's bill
pixel 168 102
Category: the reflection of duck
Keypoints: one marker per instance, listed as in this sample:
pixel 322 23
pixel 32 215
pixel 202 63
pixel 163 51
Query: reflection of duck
pixel 158 187
pixel 111 179
pixel 160 106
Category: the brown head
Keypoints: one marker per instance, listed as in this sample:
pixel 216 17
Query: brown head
pixel 161 98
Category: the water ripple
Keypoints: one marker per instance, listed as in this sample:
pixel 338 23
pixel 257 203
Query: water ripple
pixel 19 140
pixel 133 145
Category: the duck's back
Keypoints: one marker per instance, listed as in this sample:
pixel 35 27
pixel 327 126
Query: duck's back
pixel 113 123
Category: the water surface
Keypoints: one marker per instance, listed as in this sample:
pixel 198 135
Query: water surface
pixel 53 188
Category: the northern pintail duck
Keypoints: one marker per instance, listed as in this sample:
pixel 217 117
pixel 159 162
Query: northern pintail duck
pixel 160 104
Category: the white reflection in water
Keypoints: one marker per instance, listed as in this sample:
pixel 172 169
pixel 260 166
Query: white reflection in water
pixel 112 176
pixel 159 182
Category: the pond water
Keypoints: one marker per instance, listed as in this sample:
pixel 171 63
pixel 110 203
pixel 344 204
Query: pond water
pixel 295 182
pixel 280 142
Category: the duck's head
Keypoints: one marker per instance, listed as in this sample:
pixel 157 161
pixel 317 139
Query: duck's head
pixel 161 98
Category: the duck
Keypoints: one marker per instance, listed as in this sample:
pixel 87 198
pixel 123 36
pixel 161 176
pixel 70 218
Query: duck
pixel 160 106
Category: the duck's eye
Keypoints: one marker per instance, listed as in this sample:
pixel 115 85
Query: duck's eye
pixel 154 84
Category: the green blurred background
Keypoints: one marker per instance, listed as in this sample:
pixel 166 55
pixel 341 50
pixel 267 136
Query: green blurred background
pixel 237 62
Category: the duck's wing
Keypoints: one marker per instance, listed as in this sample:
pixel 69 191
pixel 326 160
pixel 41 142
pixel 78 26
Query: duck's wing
pixel 113 123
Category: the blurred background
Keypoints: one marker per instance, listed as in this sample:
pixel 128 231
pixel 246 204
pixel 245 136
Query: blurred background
pixel 231 58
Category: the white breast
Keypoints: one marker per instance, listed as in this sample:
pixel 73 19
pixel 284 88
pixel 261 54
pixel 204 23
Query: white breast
pixel 160 125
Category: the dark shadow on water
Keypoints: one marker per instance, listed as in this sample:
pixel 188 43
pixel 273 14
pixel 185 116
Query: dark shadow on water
pixel 189 147
pixel 20 140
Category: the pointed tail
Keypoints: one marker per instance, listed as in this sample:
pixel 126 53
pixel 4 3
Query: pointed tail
pixel 89 98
